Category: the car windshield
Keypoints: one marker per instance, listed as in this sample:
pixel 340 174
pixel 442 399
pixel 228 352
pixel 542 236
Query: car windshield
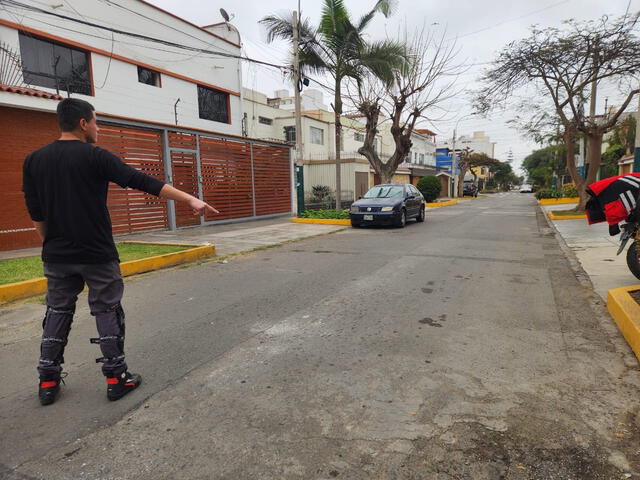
pixel 385 191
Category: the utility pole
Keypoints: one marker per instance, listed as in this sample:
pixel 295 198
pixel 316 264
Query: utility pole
pixel 297 83
pixel 454 165
pixel 636 153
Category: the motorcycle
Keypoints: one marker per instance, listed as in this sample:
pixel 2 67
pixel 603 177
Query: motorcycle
pixel 631 232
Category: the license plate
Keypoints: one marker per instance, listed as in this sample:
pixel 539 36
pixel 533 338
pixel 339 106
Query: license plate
pixel 368 217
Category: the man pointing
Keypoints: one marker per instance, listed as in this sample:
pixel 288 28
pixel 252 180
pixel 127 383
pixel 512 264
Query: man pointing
pixel 65 186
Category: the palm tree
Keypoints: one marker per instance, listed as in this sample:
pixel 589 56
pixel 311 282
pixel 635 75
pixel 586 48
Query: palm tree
pixel 337 47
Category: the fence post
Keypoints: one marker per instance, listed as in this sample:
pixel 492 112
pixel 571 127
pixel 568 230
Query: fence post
pixel 168 173
pixel 253 181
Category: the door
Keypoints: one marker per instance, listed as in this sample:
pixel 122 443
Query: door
pixel 185 178
pixel 413 204
pixel 362 184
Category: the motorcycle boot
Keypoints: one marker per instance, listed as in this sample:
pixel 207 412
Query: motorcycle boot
pixel 118 387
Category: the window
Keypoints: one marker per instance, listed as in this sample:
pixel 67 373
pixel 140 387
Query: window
pixel 213 104
pixel 358 137
pixel 422 158
pixel 50 65
pixel 290 134
pixel 317 135
pixel 265 120
pixel 149 77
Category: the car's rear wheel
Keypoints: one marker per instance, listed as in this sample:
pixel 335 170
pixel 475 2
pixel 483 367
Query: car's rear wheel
pixel 402 219
pixel 420 217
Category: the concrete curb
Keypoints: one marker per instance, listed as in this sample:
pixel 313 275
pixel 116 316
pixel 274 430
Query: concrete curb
pixel 37 286
pixel 558 201
pixel 442 204
pixel 322 221
pixel 626 313
pixel 565 217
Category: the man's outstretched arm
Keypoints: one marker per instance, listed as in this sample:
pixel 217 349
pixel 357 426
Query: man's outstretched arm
pixel 199 207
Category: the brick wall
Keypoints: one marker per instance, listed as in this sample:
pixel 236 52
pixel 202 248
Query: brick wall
pixel 22 131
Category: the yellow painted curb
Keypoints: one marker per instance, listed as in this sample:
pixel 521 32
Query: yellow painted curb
pixel 322 221
pixel 167 260
pixel 37 286
pixel 558 201
pixel 565 217
pixel 27 288
pixel 626 313
pixel 442 204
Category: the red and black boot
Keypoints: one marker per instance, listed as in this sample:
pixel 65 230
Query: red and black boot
pixel 118 387
pixel 48 389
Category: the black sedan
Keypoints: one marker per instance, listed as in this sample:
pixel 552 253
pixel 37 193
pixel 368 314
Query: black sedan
pixel 388 205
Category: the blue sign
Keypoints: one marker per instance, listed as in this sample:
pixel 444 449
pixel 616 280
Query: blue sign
pixel 443 159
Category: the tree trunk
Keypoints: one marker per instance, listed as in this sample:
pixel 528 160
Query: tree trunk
pixel 569 137
pixel 338 112
pixel 594 145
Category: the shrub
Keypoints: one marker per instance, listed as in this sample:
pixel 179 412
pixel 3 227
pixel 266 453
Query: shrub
pixel 320 192
pixel 430 187
pixel 569 190
pixel 548 193
pixel 329 213
pixel 491 184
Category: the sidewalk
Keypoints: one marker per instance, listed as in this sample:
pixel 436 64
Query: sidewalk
pixel 228 238
pixel 596 252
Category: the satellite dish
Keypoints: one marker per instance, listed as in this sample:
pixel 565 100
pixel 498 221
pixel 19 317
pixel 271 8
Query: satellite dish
pixel 224 14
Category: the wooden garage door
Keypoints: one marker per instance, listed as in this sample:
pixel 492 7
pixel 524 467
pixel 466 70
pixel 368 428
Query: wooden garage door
pixel 132 210
pixel 226 177
pixel 272 176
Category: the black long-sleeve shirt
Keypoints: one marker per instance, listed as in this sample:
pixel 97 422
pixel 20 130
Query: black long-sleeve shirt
pixel 65 185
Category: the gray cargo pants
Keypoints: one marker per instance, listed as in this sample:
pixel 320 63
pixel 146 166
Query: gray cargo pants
pixel 65 282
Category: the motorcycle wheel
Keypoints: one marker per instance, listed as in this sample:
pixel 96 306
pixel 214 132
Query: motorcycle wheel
pixel 633 259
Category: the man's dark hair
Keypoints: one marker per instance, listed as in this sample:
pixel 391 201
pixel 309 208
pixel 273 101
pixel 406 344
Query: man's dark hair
pixel 71 110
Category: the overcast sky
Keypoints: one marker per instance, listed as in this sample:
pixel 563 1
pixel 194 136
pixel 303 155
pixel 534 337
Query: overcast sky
pixel 480 29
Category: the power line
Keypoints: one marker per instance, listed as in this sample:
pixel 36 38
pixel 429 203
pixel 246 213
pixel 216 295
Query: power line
pixel 509 21
pixel 138 35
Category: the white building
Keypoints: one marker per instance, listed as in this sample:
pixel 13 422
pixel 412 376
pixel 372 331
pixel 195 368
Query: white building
pixel 270 119
pixel 479 142
pixel 310 99
pixel 168 99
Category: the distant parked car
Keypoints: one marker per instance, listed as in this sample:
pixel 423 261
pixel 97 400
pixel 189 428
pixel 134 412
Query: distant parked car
pixel 469 189
pixel 526 188
pixel 388 204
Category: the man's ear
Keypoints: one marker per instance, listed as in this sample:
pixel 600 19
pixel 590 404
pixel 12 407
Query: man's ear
pixel 82 124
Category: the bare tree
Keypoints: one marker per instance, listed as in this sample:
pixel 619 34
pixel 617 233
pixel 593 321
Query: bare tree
pixel 470 160
pixel 425 81
pixel 543 125
pixel 568 65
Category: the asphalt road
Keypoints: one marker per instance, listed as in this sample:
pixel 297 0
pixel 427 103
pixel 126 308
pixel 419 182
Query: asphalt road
pixel 461 348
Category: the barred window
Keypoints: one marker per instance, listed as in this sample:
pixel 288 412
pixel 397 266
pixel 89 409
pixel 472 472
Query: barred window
pixel 213 104
pixel 51 65
pixel 317 135
pixel 149 77
pixel 290 134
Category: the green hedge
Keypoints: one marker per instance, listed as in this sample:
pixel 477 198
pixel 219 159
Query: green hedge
pixel 430 187
pixel 329 213
pixel 548 193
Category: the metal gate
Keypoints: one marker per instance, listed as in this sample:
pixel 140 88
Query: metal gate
pixel 133 210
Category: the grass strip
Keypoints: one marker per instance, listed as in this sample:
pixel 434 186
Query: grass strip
pixel 26 268
pixel 564 213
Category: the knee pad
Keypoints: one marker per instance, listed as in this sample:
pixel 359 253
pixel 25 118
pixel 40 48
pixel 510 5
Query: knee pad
pixel 112 344
pixel 55 326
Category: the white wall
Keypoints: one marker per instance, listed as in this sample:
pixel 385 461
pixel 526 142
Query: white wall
pixel 117 90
